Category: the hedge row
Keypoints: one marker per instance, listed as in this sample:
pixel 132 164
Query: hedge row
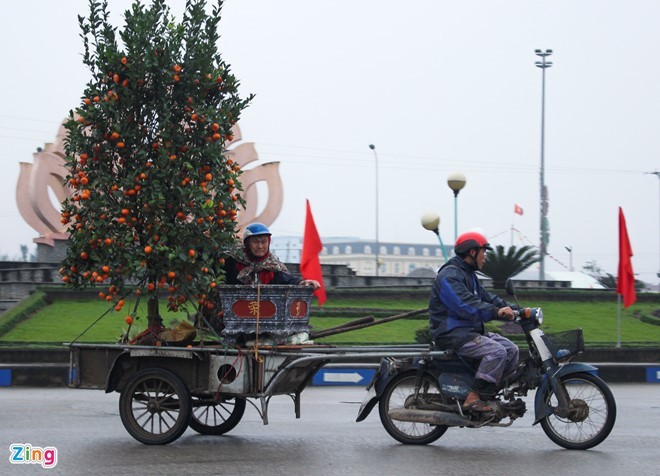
pixel 22 311
pixel 649 319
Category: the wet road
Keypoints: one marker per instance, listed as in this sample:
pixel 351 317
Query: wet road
pixel 85 428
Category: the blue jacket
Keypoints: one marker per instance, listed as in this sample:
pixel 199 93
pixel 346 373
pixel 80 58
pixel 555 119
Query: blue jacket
pixel 460 305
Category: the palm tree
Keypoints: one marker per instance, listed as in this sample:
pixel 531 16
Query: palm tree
pixel 501 265
pixel 609 281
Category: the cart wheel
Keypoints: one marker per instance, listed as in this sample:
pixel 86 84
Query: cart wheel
pixel 155 406
pixel 211 417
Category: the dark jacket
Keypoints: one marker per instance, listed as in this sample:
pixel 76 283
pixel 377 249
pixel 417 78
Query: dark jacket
pixel 460 305
pixel 232 267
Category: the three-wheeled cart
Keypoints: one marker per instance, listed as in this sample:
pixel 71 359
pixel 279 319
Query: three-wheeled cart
pixel 164 389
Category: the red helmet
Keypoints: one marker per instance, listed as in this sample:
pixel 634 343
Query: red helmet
pixel 470 240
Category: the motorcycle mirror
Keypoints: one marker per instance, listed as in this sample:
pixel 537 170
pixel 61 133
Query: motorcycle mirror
pixel 510 290
pixel 508 286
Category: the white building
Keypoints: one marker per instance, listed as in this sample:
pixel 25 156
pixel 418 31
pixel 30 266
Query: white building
pixel 395 259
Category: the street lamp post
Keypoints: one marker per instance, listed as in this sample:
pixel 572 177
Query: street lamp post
pixel 570 257
pixel 657 174
pixel 373 147
pixel 431 222
pixel 456 182
pixel 543 64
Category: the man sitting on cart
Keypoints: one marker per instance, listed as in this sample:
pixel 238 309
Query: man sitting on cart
pixel 254 263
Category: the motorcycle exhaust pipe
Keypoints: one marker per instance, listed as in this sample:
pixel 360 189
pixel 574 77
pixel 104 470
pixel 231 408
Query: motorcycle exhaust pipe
pixel 430 417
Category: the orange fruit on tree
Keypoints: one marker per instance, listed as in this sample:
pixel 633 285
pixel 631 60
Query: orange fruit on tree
pixel 171 275
pixel 148 249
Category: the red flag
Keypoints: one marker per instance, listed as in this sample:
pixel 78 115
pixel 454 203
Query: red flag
pixel 310 266
pixel 517 209
pixel 625 283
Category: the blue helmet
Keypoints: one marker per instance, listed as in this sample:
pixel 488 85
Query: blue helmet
pixel 255 229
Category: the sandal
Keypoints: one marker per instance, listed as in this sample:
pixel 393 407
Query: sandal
pixel 478 406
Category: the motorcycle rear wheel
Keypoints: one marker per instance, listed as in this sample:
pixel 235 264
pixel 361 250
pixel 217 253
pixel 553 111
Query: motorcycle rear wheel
pixel 593 417
pixel 394 396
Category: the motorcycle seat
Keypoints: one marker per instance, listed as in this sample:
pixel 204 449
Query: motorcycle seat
pixel 452 356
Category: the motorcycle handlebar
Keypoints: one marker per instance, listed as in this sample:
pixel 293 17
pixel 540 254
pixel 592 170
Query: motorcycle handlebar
pixel 529 313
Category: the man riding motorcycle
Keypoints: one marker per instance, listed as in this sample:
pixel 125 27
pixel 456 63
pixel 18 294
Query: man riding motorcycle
pixel 459 307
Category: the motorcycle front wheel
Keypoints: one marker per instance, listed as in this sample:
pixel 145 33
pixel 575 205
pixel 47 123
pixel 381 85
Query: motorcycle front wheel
pixel 399 392
pixel 592 413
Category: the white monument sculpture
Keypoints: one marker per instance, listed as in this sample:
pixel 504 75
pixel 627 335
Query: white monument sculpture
pixel 47 175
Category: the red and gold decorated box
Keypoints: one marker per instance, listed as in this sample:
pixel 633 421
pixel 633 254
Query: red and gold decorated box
pixel 276 310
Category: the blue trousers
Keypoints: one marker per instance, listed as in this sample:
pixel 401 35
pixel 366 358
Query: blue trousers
pixel 499 356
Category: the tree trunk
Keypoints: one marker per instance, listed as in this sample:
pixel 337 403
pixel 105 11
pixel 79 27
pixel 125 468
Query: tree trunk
pixel 153 316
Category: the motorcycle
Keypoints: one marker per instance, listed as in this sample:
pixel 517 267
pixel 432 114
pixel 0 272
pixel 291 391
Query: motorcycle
pixel 419 398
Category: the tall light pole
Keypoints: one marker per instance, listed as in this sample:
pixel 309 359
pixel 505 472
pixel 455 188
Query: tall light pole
pixel 543 64
pixel 373 147
pixel 657 174
pixel 456 182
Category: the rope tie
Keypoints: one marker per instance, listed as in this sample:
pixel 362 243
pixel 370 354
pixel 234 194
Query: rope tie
pixel 257 357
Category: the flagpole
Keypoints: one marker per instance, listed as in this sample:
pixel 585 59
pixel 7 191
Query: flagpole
pixel 618 330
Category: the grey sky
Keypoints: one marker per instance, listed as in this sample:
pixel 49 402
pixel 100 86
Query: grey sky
pixel 437 86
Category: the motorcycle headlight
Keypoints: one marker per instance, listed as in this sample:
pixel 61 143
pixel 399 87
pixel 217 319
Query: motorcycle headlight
pixel 539 315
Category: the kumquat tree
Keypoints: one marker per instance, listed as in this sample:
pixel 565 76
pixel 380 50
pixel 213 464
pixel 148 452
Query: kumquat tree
pixel 154 197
